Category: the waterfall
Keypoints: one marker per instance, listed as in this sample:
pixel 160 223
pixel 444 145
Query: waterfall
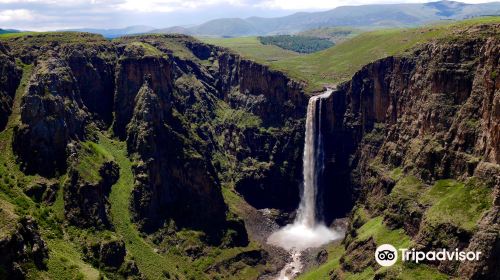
pixel 308 229
pixel 313 161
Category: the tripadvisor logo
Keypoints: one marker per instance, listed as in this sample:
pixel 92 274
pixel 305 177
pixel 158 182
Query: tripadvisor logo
pixel 387 255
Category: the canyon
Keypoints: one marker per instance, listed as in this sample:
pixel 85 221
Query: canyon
pixel 162 157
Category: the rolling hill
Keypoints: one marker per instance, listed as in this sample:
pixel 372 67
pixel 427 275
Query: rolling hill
pixel 364 16
pixel 340 62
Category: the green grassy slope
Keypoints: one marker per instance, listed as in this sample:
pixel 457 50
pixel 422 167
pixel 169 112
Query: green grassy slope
pixel 252 48
pixel 336 35
pixel 340 62
pixel 149 262
pixel 65 260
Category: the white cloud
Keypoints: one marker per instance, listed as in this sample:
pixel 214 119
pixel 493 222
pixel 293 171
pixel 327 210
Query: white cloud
pixel 300 4
pixel 171 5
pixel 16 15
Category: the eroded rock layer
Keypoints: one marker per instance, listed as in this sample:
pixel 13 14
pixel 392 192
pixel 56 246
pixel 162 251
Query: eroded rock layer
pixel 431 115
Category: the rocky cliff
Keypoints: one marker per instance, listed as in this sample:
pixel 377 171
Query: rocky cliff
pixel 195 119
pixel 21 245
pixel 11 76
pixel 401 126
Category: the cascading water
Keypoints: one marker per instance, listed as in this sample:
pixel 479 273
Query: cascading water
pixel 313 161
pixel 308 230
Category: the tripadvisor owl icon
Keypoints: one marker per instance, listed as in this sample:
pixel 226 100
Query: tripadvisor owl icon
pixel 386 255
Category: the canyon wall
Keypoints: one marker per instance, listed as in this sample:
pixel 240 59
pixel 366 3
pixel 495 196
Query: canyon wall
pixel 11 75
pixel 430 115
pixel 182 108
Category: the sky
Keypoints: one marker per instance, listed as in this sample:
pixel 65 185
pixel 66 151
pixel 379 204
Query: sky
pixel 40 15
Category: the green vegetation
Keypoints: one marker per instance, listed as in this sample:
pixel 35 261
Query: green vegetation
pixel 91 157
pixel 8 31
pixel 252 48
pixel 149 262
pixel 65 261
pixel 335 251
pixel 296 43
pixel 444 200
pixel 8 35
pixel 407 187
pixel 148 49
pixel 241 118
pixel 376 229
pixel 340 62
pixel 448 198
pixel 334 34
pixel 381 234
pixel 39 38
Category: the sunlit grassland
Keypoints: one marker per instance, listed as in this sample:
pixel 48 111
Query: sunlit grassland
pixel 252 48
pixel 340 62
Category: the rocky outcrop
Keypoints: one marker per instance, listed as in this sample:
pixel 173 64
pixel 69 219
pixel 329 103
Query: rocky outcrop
pixel 86 203
pixel 110 254
pixel 96 79
pixel 272 178
pixel 267 93
pixel 486 241
pixel 11 76
pixel 180 89
pixel 42 191
pixel 133 65
pixel 172 179
pixel 94 72
pixel 52 115
pixel 433 114
pixel 269 160
pixel 251 258
pixel 24 245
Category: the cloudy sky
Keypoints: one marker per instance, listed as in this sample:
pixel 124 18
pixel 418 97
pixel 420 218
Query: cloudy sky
pixel 63 14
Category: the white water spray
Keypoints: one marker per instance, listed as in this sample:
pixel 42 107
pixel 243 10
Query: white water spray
pixel 308 230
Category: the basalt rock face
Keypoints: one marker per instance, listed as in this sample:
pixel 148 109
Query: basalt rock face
pixel 52 115
pixel 86 203
pixel 132 67
pixel 23 246
pixel 11 76
pixel 269 160
pixel 435 115
pixel 274 177
pixel 175 162
pixel 269 94
pixel 172 178
pixel 71 84
pixel 94 72
pixel 351 112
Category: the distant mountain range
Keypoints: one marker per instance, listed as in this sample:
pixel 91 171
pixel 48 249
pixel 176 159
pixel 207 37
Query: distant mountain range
pixel 365 16
pixel 5 31
pixel 116 32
